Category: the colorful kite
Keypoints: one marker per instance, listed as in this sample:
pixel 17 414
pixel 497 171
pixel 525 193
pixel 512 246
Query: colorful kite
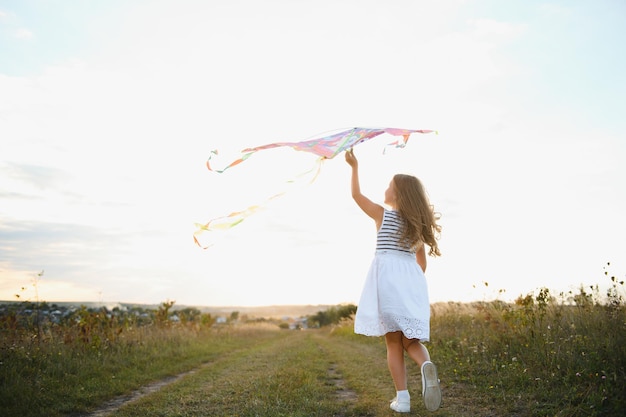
pixel 326 147
pixel 329 146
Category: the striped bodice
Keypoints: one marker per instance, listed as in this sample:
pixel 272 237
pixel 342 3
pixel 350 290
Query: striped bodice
pixel 388 237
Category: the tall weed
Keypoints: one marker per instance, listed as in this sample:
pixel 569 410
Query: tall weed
pixel 546 355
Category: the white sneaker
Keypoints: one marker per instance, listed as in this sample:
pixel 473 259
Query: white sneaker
pixel 400 406
pixel 430 386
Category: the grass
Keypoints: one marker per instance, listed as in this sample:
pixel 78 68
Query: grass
pixel 540 356
pixel 53 378
pixel 286 377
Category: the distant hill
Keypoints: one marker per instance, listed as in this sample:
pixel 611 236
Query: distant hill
pixel 276 311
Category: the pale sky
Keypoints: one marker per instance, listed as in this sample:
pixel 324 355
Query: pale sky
pixel 109 110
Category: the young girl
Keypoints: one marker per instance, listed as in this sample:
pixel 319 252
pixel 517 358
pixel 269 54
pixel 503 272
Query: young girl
pixel 394 301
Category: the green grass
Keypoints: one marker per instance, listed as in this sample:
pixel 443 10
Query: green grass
pixel 539 356
pixel 284 377
pixel 55 379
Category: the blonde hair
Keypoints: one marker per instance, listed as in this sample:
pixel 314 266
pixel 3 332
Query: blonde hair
pixel 421 219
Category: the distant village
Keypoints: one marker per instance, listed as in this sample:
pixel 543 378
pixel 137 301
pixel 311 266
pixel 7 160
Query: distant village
pixel 28 314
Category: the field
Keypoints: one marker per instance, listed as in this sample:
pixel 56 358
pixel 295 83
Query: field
pixel 543 355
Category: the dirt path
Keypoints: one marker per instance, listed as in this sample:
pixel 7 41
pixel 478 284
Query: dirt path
pixel 343 393
pixel 116 403
pixel 355 371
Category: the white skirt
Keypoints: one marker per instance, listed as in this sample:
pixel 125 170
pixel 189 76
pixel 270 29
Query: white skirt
pixel 394 298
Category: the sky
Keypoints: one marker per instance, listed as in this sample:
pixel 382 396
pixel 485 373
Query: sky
pixel 110 109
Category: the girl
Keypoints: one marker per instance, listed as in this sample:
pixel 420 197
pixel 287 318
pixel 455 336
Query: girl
pixel 394 301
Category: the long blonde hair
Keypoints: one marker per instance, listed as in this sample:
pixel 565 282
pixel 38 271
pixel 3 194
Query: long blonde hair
pixel 421 219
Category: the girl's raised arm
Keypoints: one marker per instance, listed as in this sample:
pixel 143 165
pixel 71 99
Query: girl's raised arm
pixel 373 210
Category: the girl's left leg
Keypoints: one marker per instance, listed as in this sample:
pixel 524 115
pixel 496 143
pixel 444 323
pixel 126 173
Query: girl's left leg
pixel 431 392
pixel 416 350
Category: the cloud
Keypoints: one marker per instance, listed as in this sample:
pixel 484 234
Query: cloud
pixel 13 195
pixel 553 10
pixel 55 243
pixel 23 34
pixel 13 27
pixel 497 30
pixel 35 176
pixel 69 253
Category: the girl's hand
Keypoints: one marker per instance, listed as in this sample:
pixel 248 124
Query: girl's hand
pixel 351 159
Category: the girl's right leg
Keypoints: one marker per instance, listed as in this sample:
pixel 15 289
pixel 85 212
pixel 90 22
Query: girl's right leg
pixel 395 361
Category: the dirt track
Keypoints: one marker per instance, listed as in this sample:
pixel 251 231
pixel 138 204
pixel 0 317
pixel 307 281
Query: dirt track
pixel 356 373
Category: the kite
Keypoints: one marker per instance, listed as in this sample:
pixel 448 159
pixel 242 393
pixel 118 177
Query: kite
pixel 326 147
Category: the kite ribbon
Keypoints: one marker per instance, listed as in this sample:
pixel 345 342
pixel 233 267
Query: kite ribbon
pixel 234 218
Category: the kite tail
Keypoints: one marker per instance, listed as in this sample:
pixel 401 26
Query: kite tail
pixel 243 157
pixel 401 143
pixel 222 223
pixel 236 217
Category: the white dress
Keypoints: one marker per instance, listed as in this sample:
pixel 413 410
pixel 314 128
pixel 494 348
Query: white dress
pixel 395 294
